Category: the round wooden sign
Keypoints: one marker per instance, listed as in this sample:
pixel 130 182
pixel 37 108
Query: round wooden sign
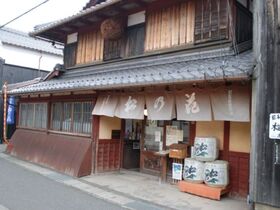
pixel 112 28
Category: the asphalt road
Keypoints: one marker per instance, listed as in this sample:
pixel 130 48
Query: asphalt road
pixel 21 189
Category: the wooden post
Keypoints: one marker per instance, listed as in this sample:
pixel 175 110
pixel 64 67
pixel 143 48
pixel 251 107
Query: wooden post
pixel 95 139
pixel 264 174
pixel 226 140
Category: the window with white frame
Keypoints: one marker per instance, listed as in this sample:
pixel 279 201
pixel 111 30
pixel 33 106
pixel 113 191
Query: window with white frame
pixel 72 117
pixel 33 115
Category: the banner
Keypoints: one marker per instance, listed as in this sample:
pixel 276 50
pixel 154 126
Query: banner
pixel 160 106
pixel 131 106
pixel 232 104
pixel 193 105
pixel 11 110
pixel 106 105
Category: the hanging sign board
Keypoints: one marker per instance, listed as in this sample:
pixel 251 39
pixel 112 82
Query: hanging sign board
pixel 274 126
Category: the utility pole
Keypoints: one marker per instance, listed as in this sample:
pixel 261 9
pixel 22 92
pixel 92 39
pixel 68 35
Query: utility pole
pixel 264 169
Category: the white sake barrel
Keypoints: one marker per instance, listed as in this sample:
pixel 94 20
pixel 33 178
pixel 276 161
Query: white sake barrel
pixel 193 171
pixel 216 173
pixel 206 148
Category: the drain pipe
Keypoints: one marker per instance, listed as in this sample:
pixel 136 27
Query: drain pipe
pixel 39 64
pixel 5 113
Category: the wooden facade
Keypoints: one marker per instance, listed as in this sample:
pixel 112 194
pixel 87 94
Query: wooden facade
pixel 174 26
pixel 90 47
pixel 108 155
pixel 212 20
pixel 170 27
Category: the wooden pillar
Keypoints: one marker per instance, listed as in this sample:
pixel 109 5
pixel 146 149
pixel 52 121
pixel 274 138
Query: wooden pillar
pixel 49 118
pixel 192 132
pixel 95 140
pixel 264 174
pixel 226 140
pixel 122 142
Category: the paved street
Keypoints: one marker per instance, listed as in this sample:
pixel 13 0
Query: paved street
pixel 24 185
pixel 21 189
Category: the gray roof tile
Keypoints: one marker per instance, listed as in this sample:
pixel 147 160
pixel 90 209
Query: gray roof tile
pixel 21 39
pixel 149 71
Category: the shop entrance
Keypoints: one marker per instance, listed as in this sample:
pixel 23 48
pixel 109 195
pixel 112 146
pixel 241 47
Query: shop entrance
pixel 131 144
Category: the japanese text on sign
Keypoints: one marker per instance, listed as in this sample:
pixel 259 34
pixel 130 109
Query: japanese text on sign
pixel 274 126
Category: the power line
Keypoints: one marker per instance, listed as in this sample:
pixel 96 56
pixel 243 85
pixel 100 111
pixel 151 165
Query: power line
pixel 24 13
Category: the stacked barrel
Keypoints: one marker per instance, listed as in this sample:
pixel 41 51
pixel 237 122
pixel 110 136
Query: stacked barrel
pixel 204 166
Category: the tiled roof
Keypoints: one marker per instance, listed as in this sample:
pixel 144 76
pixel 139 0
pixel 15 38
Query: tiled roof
pixel 21 39
pixel 84 12
pixel 164 69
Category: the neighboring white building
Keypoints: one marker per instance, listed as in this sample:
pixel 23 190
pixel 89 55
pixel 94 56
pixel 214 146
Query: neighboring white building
pixel 18 48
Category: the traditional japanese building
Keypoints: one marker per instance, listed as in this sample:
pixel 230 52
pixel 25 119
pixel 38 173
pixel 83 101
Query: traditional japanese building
pixel 134 69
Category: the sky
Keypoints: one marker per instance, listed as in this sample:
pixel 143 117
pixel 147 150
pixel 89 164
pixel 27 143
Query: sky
pixel 48 12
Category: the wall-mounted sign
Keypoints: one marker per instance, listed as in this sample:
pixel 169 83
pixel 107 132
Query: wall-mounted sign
pixel 274 126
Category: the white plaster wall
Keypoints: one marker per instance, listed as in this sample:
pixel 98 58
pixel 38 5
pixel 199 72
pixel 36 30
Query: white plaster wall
pixel 28 58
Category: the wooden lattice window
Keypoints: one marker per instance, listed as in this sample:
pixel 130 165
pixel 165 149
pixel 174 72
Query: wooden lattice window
pixel 33 115
pixel 72 117
pixel 113 49
pixel 212 20
pixel 135 40
pixel 70 51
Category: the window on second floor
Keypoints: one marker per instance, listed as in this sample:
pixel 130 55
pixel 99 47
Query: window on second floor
pixel 131 44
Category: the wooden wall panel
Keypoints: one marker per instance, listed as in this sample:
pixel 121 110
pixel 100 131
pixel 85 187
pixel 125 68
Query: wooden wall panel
pixel 170 27
pixel 108 157
pixel 239 173
pixel 90 47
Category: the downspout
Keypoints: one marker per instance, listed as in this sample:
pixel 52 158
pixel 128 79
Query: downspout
pixel 5 113
pixel 39 64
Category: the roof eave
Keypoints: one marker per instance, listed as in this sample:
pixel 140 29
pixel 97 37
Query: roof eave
pixel 57 24
pixel 236 78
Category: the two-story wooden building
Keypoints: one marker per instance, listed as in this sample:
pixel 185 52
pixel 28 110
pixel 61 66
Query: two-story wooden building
pixel 134 69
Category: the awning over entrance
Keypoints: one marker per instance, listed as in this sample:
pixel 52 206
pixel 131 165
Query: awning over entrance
pixel 226 104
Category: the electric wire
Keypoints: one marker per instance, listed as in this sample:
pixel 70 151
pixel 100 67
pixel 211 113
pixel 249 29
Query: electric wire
pixel 24 13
